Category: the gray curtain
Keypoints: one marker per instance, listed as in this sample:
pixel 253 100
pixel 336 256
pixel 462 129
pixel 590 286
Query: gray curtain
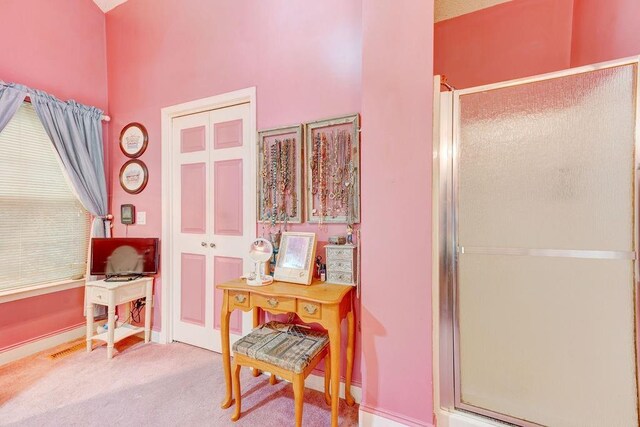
pixel 11 97
pixel 76 133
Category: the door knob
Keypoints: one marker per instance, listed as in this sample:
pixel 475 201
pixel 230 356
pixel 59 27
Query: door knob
pixel 204 244
pixel 213 245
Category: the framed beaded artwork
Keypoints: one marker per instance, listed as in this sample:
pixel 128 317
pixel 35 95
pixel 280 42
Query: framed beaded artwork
pixel 133 140
pixel 280 175
pixel 333 170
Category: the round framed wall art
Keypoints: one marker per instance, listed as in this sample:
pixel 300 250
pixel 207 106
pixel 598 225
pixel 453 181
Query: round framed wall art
pixel 133 140
pixel 134 176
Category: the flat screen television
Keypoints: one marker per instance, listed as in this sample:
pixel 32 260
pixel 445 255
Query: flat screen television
pixel 124 256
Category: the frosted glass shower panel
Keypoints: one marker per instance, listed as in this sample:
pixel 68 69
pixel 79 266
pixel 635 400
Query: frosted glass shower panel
pixel 549 164
pixel 544 275
pixel 548 340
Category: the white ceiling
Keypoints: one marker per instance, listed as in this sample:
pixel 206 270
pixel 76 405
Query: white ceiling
pixel 444 9
pixel 107 5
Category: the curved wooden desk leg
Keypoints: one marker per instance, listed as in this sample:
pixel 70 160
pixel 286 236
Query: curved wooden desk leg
pixel 334 351
pixel 327 379
pixel 236 388
pixel 298 396
pixel 350 352
pixel 256 322
pixel 273 380
pixel 226 351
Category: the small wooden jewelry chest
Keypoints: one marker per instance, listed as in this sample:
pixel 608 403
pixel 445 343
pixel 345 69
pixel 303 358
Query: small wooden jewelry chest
pixel 341 264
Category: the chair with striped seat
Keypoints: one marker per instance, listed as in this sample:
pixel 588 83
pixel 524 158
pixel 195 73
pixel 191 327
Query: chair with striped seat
pixel 286 350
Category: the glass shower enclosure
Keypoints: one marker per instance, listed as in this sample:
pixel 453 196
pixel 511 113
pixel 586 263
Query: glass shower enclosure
pixel 536 225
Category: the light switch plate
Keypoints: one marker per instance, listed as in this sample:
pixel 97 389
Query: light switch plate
pixel 141 218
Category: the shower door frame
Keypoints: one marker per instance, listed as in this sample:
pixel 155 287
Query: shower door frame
pixel 446 326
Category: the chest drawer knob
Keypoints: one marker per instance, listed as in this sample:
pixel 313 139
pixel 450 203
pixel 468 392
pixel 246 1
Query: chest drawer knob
pixel 310 308
pixel 272 302
pixel 241 298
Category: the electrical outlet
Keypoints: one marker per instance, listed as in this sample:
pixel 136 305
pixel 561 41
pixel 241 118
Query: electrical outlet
pixel 141 218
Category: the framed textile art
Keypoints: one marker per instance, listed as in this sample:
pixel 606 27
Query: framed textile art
pixel 134 176
pixel 133 140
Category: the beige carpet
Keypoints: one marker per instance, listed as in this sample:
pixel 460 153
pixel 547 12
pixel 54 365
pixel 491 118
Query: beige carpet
pixel 146 385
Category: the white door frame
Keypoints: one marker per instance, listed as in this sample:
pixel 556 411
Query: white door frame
pixel 247 95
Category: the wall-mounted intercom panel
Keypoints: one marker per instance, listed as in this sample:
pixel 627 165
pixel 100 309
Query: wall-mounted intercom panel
pixel 127 214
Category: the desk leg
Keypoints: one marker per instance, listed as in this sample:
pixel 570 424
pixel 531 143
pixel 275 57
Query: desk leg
pixel 89 308
pixel 350 352
pixel 148 301
pixel 226 351
pixel 256 322
pixel 112 329
pixel 334 353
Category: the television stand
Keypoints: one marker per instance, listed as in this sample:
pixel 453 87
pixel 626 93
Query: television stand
pixel 113 294
pixel 123 277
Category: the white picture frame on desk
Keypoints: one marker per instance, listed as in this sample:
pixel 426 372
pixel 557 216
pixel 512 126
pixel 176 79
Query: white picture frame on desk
pixel 295 257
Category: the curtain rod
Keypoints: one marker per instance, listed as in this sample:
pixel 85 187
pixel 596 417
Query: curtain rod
pixel 104 117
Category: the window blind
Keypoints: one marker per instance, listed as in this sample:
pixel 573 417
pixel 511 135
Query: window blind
pixel 44 230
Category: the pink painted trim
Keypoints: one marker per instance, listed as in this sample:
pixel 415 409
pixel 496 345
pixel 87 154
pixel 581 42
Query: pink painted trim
pixel 411 422
pixel 43 336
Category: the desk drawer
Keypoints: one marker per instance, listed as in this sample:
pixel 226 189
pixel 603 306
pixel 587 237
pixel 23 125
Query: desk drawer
pixel 98 295
pixel 283 304
pixel 239 299
pixel 309 309
pixel 130 293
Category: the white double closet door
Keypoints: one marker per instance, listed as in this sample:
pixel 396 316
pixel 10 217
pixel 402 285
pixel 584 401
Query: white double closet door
pixel 213 220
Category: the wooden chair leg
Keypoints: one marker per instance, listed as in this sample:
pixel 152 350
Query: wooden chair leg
pixel 273 380
pixel 235 369
pixel 298 396
pixel 327 379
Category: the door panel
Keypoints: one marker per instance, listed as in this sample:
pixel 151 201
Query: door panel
pixel 227 134
pixel 213 220
pixel 194 198
pixel 544 219
pixel 193 139
pixel 228 214
pixel 193 288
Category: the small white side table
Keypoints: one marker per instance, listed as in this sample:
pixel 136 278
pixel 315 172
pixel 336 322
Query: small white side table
pixel 113 294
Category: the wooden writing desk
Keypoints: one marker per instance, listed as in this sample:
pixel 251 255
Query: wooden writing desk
pixel 322 303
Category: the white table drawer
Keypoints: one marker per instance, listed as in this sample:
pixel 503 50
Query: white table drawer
pixel 129 293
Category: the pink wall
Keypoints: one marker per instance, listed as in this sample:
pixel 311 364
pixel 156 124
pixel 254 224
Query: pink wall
pixel 303 57
pixel 511 40
pixel 397 68
pixel 603 31
pixel 57 46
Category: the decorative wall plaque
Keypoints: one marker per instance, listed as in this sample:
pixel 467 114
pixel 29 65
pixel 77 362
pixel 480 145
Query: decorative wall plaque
pixel 134 176
pixel 133 140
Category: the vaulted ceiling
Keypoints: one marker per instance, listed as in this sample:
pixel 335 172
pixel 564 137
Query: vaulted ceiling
pixel 444 9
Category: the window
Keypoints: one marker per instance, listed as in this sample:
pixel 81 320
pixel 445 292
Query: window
pixel 44 230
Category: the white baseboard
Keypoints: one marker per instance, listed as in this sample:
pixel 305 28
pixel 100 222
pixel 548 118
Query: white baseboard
pixel 155 337
pixel 316 382
pixel 463 419
pixel 42 344
pixel 367 419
